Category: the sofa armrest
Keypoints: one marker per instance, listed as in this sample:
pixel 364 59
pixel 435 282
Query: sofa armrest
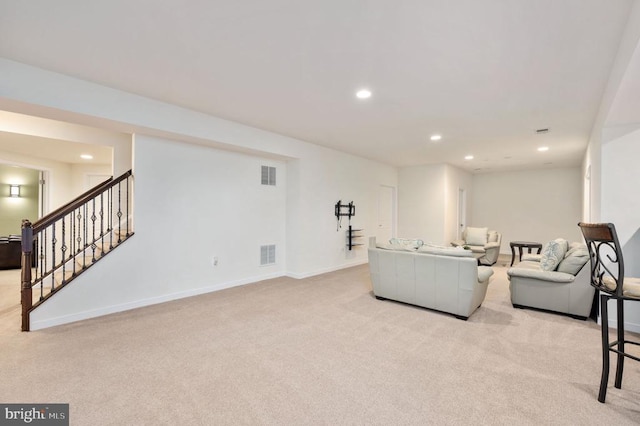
pixel 550 276
pixel 491 245
pixel 484 273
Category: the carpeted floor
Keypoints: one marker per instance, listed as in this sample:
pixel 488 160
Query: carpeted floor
pixel 320 350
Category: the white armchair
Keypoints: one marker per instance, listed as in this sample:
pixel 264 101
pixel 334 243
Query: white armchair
pixel 484 243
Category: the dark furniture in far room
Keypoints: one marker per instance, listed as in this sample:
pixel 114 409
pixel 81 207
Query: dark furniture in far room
pixel 10 252
pixel 520 245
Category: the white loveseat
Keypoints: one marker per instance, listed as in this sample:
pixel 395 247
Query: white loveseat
pixel 484 243
pixel 444 279
pixel 556 280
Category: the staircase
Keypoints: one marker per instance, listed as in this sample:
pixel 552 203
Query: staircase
pixel 62 245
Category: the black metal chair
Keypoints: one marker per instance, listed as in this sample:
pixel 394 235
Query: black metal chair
pixel 607 276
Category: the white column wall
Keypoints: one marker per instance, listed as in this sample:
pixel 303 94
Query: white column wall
pixel 456 179
pixel 421 203
pixel 620 205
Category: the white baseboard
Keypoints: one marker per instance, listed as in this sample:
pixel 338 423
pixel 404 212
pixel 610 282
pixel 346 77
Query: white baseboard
pixel 79 316
pixel 326 270
pixel 628 326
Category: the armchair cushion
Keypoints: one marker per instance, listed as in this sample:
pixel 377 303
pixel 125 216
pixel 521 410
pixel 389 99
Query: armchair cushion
pixel 476 236
pixel 532 257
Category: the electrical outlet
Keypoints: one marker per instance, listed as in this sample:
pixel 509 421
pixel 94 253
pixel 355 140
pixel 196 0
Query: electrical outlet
pixel 215 261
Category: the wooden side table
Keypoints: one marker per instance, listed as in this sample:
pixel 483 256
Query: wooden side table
pixel 521 245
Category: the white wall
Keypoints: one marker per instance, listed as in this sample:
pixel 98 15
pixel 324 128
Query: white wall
pixel 428 202
pixel 620 205
pixel 455 179
pixel 533 205
pixel 316 181
pixel 191 203
pixel 620 201
pixel 421 203
pixel 80 174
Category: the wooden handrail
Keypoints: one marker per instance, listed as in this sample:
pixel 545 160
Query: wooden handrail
pixel 76 202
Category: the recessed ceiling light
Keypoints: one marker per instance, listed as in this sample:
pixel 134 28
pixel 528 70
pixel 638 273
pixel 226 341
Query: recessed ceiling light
pixel 468 157
pixel 363 94
pixel 543 148
pixel 435 137
pixel 86 156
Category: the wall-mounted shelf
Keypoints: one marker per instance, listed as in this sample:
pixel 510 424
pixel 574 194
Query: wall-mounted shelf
pixel 352 237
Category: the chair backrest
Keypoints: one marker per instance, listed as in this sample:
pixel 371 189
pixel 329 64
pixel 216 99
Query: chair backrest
pixel 605 254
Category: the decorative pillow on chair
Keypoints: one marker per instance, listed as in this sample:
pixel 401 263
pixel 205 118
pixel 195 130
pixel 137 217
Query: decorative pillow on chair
pixel 574 259
pixel 552 254
pixel 476 236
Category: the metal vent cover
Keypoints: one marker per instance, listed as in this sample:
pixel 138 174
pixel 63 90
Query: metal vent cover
pixel 268 175
pixel 268 255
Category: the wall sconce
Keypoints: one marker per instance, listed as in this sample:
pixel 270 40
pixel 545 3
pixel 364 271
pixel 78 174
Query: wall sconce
pixel 14 190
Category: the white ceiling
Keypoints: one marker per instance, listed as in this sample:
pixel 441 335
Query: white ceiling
pixel 483 73
pixel 54 149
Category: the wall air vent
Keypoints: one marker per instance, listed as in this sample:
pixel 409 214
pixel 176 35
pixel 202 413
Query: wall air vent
pixel 541 131
pixel 268 175
pixel 268 255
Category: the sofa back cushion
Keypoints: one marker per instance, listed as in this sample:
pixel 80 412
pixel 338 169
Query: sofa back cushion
pixel 476 236
pixel 575 258
pixel 552 254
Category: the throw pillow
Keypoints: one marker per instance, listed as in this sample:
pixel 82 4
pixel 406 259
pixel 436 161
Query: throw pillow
pixel 552 254
pixel 412 244
pixel 574 260
pixel 476 236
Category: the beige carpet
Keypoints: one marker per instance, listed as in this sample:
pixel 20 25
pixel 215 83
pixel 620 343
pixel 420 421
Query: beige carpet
pixel 321 350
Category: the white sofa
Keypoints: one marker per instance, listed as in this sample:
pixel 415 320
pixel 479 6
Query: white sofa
pixel 445 279
pixel 564 288
pixel 484 243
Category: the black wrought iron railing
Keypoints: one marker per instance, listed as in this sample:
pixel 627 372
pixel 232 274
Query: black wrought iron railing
pixel 63 244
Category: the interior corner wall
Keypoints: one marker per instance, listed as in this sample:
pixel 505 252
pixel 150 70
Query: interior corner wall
pixel 421 203
pixel 317 180
pixel 531 205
